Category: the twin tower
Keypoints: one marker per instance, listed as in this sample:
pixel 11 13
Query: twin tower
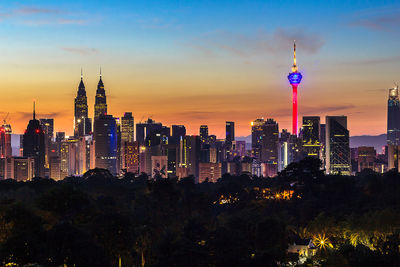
pixel 82 122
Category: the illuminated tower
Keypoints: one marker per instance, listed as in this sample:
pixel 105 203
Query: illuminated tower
pixel 82 124
pixel 100 105
pixel 294 78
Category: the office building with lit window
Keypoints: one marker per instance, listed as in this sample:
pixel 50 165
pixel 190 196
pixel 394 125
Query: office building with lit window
pixel 337 145
pixel 105 142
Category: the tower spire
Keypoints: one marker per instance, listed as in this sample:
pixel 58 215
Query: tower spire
pixel 34 111
pixel 100 73
pixel 81 74
pixel 294 68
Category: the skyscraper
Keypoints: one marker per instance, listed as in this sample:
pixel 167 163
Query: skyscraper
pixel 48 130
pixel 100 105
pixel 203 133
pixel 82 125
pixel 5 140
pixel 311 134
pixel 178 132
pixel 270 142
pixel 34 144
pixel 393 117
pixel 257 137
pixel 105 142
pixel 130 160
pixel 294 78
pixel 337 145
pixel 230 132
pixel 127 128
pixel 144 129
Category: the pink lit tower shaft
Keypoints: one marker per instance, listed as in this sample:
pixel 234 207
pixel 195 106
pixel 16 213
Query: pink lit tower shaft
pixel 294 78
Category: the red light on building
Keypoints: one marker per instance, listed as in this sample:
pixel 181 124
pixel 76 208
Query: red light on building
pixel 37 131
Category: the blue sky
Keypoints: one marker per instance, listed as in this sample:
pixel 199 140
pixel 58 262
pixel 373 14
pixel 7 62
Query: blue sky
pixel 201 62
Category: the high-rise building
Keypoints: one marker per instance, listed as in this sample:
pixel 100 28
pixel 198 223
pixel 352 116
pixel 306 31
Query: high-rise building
pixel 54 165
pixel 119 147
pixel 82 124
pixel 34 144
pixel 189 155
pixel 366 157
pixel 143 129
pixel 393 157
pixel 210 171
pixel 171 151
pixel 48 129
pixel 18 168
pixel 294 79
pixel 203 133
pixel 127 128
pixel 270 142
pixel 311 134
pixel 178 132
pixel 290 149
pixel 230 132
pixel 100 106
pixel 5 140
pixel 257 128
pixel 71 161
pixel 105 142
pixel 393 117
pixel 159 166
pixel 337 145
pixel 130 160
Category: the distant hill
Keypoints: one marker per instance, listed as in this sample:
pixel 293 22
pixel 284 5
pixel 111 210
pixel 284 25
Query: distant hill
pixel 377 141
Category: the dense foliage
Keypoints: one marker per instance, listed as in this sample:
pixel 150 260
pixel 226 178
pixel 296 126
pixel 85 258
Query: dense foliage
pixel 99 220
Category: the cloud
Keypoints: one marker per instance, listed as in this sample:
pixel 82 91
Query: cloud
pixel 242 45
pixel 34 16
pixel 373 61
pixel 80 50
pixel 388 21
pixel 35 10
pixel 26 116
pixel 72 21
pixel 310 111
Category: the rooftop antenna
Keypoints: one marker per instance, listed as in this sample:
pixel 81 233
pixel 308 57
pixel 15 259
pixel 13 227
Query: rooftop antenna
pixel 34 111
pixel 81 74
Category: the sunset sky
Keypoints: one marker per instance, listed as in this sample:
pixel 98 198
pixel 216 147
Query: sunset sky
pixel 200 62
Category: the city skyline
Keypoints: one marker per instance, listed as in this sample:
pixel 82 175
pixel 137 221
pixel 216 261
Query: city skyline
pixel 167 66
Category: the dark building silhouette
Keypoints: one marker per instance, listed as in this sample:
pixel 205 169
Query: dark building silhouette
pixel 257 137
pixel 203 133
pixel 178 132
pixel 48 130
pixel 82 124
pixel 105 142
pixel 230 132
pixel 158 136
pixel 34 144
pixel 100 105
pixel 270 142
pixel 337 145
pixel 393 117
pixel 311 134
pixel 144 129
